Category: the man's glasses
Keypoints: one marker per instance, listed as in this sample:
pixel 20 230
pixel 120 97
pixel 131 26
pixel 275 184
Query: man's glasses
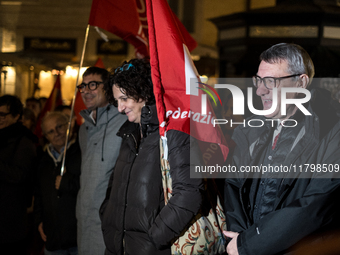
pixel 270 82
pixel 3 115
pixel 124 68
pixel 92 85
pixel 58 129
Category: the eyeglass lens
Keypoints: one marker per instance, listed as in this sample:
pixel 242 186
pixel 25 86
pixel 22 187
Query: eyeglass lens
pixel 59 128
pixel 268 82
pixel 3 114
pixel 92 85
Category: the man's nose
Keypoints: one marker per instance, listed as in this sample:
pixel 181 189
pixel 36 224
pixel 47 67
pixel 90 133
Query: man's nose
pixel 86 89
pixel 59 132
pixel 261 89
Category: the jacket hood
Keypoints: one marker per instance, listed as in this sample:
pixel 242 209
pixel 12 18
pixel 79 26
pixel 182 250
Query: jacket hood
pixel 149 122
pixel 104 115
pixel 149 119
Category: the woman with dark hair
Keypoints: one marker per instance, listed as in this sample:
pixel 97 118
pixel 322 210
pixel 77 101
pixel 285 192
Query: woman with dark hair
pixel 29 119
pixel 135 219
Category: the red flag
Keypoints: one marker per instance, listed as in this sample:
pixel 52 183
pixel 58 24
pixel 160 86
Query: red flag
pixel 99 63
pixel 52 102
pixel 178 103
pixel 78 107
pixel 120 18
pixel 128 20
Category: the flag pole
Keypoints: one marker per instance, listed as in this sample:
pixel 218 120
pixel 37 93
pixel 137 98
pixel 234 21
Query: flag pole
pixel 62 170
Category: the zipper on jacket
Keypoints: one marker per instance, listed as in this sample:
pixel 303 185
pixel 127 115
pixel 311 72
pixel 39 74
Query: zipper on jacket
pixel 126 191
pixel 135 140
pixel 107 123
pixel 241 199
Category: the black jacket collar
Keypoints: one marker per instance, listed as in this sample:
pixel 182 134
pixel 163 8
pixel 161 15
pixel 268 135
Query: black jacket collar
pixel 149 123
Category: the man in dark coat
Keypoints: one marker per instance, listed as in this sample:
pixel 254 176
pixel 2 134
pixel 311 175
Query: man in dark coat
pixel 55 199
pixel 270 213
pixel 17 156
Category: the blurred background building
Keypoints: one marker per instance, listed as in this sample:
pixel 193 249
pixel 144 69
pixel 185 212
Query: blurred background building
pixel 41 38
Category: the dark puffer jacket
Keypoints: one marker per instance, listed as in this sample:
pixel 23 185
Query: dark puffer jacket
pixel 134 217
pixel 302 206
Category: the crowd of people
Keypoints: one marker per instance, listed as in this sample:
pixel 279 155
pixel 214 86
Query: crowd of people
pixel 106 196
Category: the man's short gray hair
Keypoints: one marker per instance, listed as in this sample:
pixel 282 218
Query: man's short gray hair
pixel 299 61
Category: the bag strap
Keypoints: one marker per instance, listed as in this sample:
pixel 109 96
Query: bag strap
pixel 165 169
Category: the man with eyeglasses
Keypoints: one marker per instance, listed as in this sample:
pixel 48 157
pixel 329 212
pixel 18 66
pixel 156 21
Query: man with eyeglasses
pixel 55 196
pixel 266 212
pixel 17 158
pixel 100 148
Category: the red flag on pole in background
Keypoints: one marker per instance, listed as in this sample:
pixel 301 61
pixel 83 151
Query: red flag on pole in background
pixel 52 102
pixel 128 20
pixel 178 103
pixel 78 107
pixel 99 63
pixel 120 18
pixel 79 103
pixel 189 41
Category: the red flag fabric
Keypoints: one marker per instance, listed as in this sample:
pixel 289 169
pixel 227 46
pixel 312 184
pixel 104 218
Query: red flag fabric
pixel 99 63
pixel 52 102
pixel 78 107
pixel 178 102
pixel 128 20
pixel 120 18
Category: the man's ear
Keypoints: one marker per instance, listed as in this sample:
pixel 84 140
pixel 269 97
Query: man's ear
pixel 303 81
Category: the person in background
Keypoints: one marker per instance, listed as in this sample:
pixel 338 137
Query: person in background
pixel 34 104
pixel 29 119
pixel 99 149
pixel 42 101
pixel 34 241
pixel 269 213
pixel 65 109
pixel 17 157
pixel 135 219
pixel 55 196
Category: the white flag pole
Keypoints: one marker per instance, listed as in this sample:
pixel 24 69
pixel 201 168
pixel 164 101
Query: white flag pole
pixel 62 170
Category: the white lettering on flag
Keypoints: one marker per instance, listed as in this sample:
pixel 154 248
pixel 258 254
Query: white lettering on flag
pixel 190 72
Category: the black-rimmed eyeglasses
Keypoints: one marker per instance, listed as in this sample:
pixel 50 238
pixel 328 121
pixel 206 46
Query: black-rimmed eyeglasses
pixel 92 85
pixel 3 115
pixel 58 129
pixel 270 82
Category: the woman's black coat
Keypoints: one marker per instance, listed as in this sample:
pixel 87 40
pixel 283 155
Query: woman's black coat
pixel 134 217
